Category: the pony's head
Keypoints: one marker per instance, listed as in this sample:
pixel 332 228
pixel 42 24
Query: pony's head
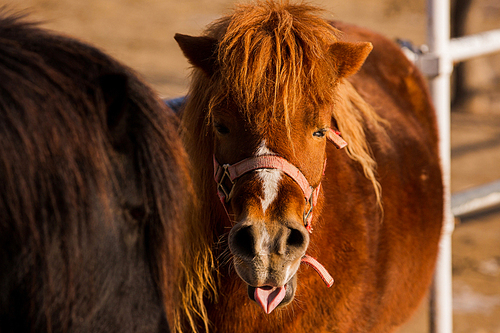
pixel 265 93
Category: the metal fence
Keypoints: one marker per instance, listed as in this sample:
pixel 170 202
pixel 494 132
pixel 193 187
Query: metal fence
pixel 437 64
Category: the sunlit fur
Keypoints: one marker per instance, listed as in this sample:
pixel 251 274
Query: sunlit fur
pixel 266 54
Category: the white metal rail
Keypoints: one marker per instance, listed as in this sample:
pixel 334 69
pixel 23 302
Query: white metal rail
pixel 437 64
pixel 476 200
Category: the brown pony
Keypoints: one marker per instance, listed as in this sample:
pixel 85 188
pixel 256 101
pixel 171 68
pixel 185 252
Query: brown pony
pixel 271 83
pixel 93 184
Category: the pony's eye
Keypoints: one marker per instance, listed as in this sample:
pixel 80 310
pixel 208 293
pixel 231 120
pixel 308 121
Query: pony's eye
pixel 221 129
pixel 319 134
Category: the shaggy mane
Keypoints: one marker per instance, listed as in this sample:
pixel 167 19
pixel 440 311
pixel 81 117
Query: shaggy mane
pixel 270 55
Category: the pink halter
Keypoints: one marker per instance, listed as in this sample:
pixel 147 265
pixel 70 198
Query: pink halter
pixel 226 173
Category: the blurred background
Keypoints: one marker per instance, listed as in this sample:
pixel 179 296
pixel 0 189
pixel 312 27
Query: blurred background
pixel 140 34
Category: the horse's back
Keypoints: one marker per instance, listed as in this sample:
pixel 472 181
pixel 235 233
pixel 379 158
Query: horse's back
pixel 409 171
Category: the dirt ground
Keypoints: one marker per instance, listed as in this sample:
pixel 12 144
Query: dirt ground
pixel 140 34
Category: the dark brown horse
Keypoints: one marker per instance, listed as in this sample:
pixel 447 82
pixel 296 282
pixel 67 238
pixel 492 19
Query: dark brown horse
pixel 93 182
pixel 271 83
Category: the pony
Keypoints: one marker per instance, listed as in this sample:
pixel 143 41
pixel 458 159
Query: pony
pixel 276 93
pixel 94 183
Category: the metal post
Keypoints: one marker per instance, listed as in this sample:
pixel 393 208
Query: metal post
pixel 438 38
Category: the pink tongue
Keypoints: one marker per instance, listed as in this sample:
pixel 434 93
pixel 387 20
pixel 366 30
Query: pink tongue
pixel 269 297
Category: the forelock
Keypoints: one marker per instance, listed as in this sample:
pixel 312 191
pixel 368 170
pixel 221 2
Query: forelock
pixel 273 58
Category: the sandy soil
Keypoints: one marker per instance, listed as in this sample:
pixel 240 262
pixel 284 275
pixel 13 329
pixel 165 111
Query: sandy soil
pixel 140 33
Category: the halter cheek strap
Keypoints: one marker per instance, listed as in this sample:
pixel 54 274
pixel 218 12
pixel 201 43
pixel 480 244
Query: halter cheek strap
pixel 225 176
pixel 335 138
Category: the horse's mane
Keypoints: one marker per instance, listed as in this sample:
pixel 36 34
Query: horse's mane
pixel 272 57
pixel 55 160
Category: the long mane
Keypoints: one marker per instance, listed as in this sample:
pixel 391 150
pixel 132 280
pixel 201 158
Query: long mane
pixel 55 160
pixel 271 57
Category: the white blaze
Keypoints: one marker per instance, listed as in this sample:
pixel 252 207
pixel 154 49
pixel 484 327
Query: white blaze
pixel 270 178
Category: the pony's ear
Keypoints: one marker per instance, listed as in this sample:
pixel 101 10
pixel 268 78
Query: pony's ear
pixel 349 57
pixel 114 92
pixel 200 51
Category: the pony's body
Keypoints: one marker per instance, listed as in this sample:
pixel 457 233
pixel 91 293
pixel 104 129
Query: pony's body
pixel 375 230
pixel 93 180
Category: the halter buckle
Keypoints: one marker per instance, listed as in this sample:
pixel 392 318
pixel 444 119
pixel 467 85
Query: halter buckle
pixel 223 192
pixel 307 215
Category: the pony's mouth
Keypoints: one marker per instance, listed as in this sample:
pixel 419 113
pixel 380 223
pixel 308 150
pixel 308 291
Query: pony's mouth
pixel 270 298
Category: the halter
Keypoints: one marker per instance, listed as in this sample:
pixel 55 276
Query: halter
pixel 226 175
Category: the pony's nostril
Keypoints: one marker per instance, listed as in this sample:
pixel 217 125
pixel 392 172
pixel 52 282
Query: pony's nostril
pixel 295 238
pixel 249 241
pixel 243 242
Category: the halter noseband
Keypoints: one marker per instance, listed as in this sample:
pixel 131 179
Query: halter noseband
pixel 227 174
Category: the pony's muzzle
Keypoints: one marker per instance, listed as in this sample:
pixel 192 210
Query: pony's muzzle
pixel 268 255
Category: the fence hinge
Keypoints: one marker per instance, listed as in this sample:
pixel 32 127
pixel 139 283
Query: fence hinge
pixel 429 63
